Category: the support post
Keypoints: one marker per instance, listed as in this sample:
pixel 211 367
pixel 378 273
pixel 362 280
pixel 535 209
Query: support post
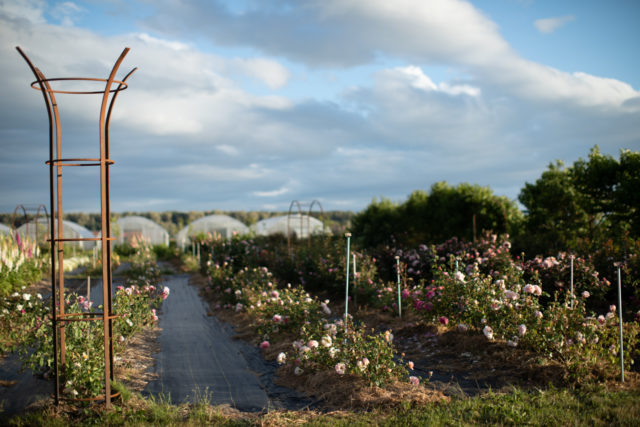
pixel 346 297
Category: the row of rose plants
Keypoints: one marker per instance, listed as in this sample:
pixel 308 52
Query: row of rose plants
pixel 320 341
pixel 317 264
pixel 506 300
pixel 476 287
pixel 492 255
pixel 20 263
pixel 28 317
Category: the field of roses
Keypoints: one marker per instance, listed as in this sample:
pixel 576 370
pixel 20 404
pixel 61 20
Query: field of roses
pixel 26 318
pixel 476 288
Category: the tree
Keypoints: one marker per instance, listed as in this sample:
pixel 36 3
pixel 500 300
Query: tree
pixel 466 210
pixel 377 223
pixel 436 216
pixel 555 217
pixel 582 207
pixel 610 190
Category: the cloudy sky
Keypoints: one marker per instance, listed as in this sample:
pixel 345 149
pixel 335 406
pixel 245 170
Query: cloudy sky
pixel 250 104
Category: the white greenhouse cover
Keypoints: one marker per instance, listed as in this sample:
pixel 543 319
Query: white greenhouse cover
pixel 300 225
pixel 223 225
pixel 137 227
pixel 4 229
pixel 70 230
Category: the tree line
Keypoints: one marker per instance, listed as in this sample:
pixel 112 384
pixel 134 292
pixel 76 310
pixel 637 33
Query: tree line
pixel 579 208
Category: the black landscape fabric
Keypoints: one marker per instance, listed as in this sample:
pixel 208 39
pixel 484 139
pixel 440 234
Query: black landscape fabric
pixel 200 359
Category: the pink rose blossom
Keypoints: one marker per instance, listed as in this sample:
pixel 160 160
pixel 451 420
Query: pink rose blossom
pixel 511 295
pixel 264 344
pixel 522 329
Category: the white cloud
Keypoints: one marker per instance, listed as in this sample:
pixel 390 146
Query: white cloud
pixel 66 12
pixel 273 193
pixel 459 89
pixel 270 72
pixel 343 33
pixel 549 25
pixel 228 150
pixel 415 77
pixel 29 10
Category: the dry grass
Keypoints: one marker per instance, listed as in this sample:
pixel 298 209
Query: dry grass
pixel 133 367
pixel 352 393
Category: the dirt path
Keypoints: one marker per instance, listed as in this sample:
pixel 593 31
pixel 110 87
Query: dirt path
pixel 199 358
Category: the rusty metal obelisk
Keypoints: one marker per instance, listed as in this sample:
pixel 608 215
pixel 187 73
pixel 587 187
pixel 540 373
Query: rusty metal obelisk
pixel 57 163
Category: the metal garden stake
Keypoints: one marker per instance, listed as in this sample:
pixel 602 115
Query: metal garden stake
pixel 620 317
pixel 355 281
pixel 346 297
pixel 398 274
pixel 572 282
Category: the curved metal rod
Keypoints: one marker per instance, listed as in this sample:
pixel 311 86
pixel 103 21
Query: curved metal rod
pixel 59 213
pixel 105 217
pixel 115 95
pixel 54 318
pixel 80 79
pixel 288 223
pixel 46 214
pixel 108 196
pixel 316 202
pixel 26 219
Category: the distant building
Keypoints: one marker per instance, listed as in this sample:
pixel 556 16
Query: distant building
pixel 4 229
pixel 70 230
pixel 136 228
pixel 222 225
pixel 301 226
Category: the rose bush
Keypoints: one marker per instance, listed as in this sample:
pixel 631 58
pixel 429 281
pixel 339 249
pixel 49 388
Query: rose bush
pixel 82 372
pixel 345 349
